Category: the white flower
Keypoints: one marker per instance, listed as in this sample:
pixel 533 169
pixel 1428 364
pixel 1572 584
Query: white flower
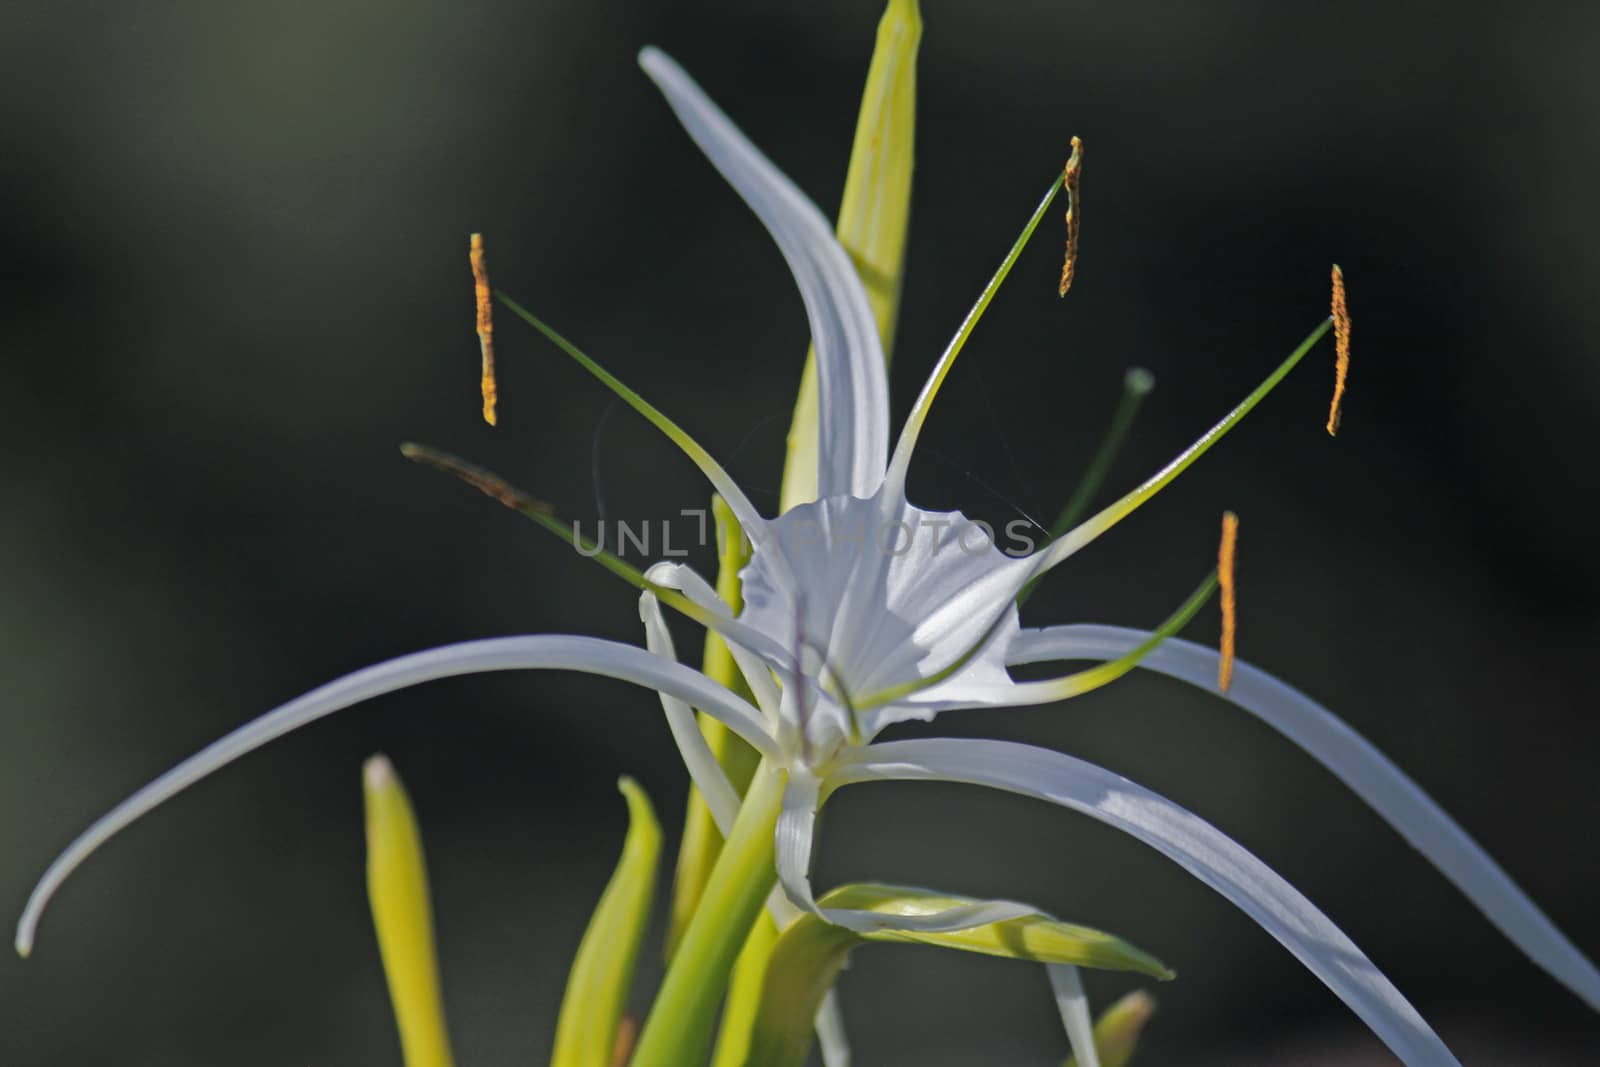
pixel 845 632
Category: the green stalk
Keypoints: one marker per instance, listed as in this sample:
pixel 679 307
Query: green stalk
pixel 677 1032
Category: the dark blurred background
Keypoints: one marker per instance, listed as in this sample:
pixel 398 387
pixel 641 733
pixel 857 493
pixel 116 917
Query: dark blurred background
pixel 236 278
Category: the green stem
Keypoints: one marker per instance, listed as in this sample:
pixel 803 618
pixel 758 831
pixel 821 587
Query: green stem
pixel 677 1032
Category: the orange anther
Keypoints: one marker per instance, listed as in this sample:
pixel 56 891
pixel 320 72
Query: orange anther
pixel 1073 178
pixel 1341 343
pixel 1225 560
pixel 480 288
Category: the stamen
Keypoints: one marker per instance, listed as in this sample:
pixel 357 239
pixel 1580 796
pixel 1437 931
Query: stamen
pixel 1114 513
pixel 1073 175
pixel 480 289
pixel 486 482
pixel 1136 385
pixel 1080 682
pixel 497 488
pixel 719 478
pixel 1225 563
pixel 894 479
pixel 1341 342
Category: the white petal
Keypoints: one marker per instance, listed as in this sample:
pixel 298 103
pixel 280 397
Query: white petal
pixel 832 1041
pixel 851 377
pixel 797 824
pixel 545 652
pixel 1190 841
pixel 757 675
pixel 795 833
pixel 704 770
pixel 889 594
pixel 1355 762
pixel 1074 1007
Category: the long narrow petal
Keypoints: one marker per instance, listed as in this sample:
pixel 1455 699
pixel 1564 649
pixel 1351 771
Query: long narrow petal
pixel 545 652
pixel 402 915
pixel 796 832
pixel 1073 1004
pixel 1183 837
pixel 704 770
pixel 703 829
pixel 1355 762
pixel 853 448
pixel 757 675
pixel 874 217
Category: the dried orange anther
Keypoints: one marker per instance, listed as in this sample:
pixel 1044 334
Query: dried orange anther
pixel 1225 558
pixel 480 289
pixel 1341 343
pixel 1073 176
pixel 485 482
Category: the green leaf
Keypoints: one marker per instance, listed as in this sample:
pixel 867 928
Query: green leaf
pixel 602 971
pixel 1116 1032
pixel 744 994
pixel 810 953
pixel 678 1030
pixel 397 888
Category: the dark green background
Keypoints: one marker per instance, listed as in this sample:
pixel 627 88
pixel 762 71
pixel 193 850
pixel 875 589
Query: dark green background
pixel 235 256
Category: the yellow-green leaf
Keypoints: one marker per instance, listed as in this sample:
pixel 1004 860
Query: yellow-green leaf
pixel 602 971
pixel 1116 1032
pixel 874 216
pixel 397 888
pixel 809 954
pixel 744 995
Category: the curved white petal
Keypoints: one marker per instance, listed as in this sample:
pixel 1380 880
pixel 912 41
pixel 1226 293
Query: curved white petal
pixel 704 770
pixel 545 652
pixel 757 675
pixel 1183 837
pixel 797 825
pixel 795 832
pixel 1355 762
pixel 853 446
pixel 1073 1004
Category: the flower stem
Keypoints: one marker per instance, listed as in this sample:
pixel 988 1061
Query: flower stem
pixel 678 1029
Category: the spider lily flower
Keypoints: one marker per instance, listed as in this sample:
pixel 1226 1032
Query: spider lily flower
pixel 844 633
